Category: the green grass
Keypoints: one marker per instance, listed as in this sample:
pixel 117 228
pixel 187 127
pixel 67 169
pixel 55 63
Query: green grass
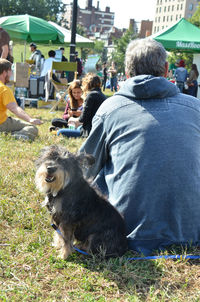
pixel 29 267
pixel 18 51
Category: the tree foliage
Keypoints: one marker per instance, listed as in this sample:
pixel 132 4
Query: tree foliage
pixel 195 19
pixel 118 54
pixel 45 9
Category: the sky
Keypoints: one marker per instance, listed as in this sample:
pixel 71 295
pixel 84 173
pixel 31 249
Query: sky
pixel 125 10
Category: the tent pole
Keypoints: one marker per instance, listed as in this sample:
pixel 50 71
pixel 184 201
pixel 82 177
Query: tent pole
pixel 24 51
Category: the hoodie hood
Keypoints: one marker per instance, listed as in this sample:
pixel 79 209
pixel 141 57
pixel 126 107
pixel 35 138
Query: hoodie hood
pixel 147 87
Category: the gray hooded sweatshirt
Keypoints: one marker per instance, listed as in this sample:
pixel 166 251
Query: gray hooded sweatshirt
pixel 146 142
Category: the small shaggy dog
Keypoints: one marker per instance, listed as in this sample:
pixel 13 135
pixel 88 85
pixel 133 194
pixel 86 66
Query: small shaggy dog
pixel 78 210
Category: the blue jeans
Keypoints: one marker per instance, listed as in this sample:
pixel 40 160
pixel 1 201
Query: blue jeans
pixel 70 132
pixel 113 83
pixel 180 85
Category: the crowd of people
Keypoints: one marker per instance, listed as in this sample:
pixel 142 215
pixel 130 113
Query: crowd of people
pixel 186 82
pixel 145 140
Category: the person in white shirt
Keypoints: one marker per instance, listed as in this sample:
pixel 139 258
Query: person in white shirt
pixel 48 63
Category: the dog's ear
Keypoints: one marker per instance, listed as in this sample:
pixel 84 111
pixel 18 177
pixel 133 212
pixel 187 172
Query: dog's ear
pixel 85 160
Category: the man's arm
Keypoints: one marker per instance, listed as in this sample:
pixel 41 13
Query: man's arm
pixel 20 113
pixel 4 53
pixel 96 145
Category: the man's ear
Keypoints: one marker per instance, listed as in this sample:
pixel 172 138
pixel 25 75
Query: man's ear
pixel 166 69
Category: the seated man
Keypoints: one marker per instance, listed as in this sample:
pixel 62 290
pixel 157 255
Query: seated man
pixel 146 142
pixel 19 129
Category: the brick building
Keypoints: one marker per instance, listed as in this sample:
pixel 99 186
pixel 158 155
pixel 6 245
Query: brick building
pixel 92 18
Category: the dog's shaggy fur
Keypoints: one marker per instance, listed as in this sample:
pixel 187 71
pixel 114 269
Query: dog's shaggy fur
pixel 77 209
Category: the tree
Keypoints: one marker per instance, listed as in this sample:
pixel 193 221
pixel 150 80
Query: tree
pixel 195 19
pixel 45 9
pixel 118 55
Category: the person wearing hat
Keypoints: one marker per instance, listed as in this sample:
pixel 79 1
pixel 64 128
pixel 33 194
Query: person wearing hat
pixel 181 75
pixel 35 56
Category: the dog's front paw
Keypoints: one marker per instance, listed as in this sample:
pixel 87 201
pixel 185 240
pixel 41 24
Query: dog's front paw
pixel 65 252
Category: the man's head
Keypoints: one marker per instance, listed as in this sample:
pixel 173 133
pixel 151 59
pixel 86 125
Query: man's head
pixel 76 54
pixel 33 47
pixel 51 54
pixel 145 56
pixel 5 70
pixel 62 48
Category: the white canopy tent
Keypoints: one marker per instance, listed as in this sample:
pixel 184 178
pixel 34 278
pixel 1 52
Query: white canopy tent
pixel 81 42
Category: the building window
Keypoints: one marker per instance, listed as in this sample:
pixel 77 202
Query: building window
pixel 171 17
pixel 167 18
pixel 177 6
pixel 157 2
pixel 165 9
pixel 168 8
pixel 190 6
pixel 172 8
pixel 155 19
pixel 155 29
pixel 158 28
pixel 176 17
pixel 159 19
pixel 180 16
pixel 181 6
pixel 160 10
pixel 157 10
pixel 163 27
pixel 164 19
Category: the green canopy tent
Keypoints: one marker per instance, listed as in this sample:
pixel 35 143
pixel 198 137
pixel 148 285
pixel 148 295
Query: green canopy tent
pixel 182 36
pixel 31 29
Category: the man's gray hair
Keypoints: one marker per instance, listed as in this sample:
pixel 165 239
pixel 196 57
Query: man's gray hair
pixel 145 56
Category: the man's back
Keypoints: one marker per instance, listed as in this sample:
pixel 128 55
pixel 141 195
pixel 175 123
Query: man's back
pixel 147 139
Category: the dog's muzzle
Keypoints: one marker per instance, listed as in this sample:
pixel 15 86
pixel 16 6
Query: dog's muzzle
pixel 50 171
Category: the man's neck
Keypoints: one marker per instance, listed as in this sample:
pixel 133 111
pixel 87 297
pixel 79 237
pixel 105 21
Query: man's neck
pixel 2 79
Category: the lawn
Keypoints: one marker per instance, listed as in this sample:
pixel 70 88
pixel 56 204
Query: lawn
pixel 18 51
pixel 29 267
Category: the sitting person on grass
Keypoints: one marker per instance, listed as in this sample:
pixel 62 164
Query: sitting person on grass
pixel 73 107
pixel 94 98
pixel 146 142
pixel 19 129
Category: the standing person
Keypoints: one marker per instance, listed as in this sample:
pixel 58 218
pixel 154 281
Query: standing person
pixel 113 77
pixel 73 107
pixel 146 142
pixel 64 59
pixel 94 98
pixel 79 65
pixel 19 129
pixel 192 81
pixel 47 66
pixel 4 44
pixel 180 75
pixel 105 75
pixel 36 57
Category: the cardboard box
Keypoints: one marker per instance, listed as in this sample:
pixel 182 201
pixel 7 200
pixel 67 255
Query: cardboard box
pixel 21 74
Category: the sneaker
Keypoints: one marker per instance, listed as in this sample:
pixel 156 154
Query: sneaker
pixel 22 137
pixel 52 128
